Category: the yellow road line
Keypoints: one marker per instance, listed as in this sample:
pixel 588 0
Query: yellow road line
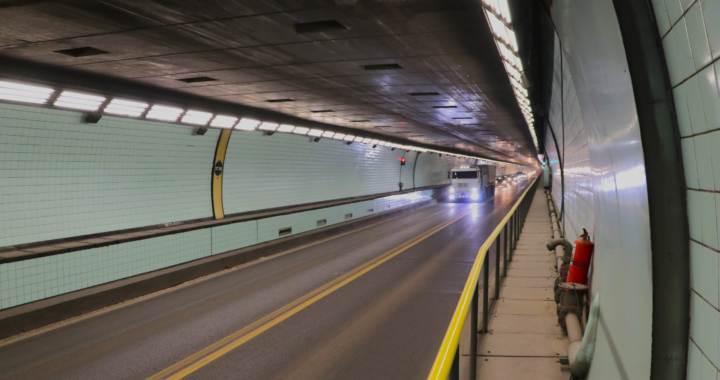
pixel 227 344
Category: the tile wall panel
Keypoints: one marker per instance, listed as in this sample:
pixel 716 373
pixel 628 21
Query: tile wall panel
pixel 264 172
pixel 407 172
pixel 63 178
pixel 690 32
pixel 36 279
pixel 566 118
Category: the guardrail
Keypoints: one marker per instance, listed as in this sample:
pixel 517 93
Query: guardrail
pixel 447 362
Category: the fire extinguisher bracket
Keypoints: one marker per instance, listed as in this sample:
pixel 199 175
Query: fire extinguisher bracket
pixel 572 286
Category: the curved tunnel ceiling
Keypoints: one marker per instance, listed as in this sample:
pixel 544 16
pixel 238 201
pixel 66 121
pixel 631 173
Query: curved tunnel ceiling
pixel 423 70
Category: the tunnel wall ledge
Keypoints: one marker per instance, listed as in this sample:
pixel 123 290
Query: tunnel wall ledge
pixel 44 312
pixel 56 247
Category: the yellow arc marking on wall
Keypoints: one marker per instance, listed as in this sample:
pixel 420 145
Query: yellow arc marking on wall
pixel 217 174
pixel 238 338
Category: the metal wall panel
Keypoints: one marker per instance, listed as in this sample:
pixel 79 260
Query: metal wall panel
pixel 590 36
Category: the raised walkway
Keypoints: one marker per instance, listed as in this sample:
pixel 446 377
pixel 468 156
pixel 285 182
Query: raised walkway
pixel 524 340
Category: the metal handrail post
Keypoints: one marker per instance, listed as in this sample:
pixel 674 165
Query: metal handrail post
pixel 486 279
pixel 473 332
pixel 455 369
pixel 511 222
pixel 497 267
pixel 505 251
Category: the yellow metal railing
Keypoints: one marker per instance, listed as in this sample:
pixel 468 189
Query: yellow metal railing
pixel 448 357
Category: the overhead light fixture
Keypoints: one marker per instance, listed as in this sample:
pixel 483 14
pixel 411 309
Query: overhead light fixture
pixel 223 121
pixel 197 79
pixel 339 136
pixel 315 132
pixel 301 130
pixel 164 113
pixel 349 138
pixel 366 140
pixel 246 124
pixel 79 101
pixel 196 117
pixel 374 142
pixel 124 107
pixel 328 134
pixel 268 127
pixel 285 128
pixel 358 139
pixel 24 93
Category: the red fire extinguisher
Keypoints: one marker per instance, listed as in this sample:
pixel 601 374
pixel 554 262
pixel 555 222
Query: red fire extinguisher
pixel 580 263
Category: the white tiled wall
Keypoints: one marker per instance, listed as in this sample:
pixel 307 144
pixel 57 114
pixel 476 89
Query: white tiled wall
pixel 273 171
pixel 36 279
pixel 60 177
pixel 573 147
pixel 690 32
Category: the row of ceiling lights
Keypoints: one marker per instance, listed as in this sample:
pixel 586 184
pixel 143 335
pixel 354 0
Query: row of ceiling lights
pixel 498 15
pixel 68 99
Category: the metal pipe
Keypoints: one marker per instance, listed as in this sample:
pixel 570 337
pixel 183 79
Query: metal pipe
pixel 563 251
pixel 574 332
pixel 583 353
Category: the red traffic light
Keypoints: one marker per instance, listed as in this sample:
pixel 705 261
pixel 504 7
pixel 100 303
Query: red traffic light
pixel 402 160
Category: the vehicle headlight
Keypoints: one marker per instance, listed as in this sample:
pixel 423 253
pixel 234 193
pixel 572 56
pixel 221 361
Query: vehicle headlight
pixel 452 189
pixel 452 197
pixel 474 189
pixel 474 196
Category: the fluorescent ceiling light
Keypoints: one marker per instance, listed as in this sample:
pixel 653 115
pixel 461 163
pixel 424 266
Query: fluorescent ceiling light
pixel 125 108
pixel 349 138
pixel 268 126
pixel 79 101
pixel 513 72
pixel 498 27
pixel 222 121
pixel 358 139
pixel 339 136
pixel 374 142
pixel 382 143
pixel 511 39
pixel 164 113
pixel 504 10
pixel 366 140
pixel 301 130
pixel 315 132
pixel 24 93
pixel 286 128
pixel 246 124
pixel 328 134
pixel 196 117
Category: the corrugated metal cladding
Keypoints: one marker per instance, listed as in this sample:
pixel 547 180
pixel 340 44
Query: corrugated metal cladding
pixel 691 41
pixel 63 178
pixel 567 123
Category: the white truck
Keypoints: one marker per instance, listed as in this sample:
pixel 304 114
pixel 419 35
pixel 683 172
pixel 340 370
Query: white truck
pixel 472 182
